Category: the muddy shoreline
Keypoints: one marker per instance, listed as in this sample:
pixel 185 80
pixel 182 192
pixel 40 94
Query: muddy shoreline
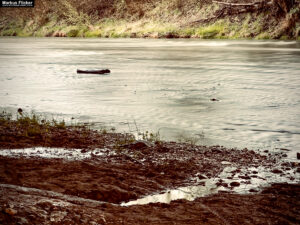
pixel 108 169
pixel 278 204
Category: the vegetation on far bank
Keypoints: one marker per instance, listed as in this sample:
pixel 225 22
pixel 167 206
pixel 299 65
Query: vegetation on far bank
pixel 206 19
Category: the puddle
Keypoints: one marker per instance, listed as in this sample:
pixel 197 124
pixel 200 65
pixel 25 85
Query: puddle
pixel 240 181
pixel 54 153
pixel 236 180
pixel 189 193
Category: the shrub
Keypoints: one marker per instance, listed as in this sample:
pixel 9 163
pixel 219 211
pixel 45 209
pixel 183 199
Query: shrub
pixel 73 33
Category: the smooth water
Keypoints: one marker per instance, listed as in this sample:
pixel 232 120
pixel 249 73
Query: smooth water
pixel 162 85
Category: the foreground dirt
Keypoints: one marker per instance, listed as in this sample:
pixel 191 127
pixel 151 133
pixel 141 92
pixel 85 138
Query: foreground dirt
pixel 128 174
pixel 89 191
pixel 278 204
pixel 41 190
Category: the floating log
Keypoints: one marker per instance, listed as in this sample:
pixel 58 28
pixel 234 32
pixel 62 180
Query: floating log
pixel 94 71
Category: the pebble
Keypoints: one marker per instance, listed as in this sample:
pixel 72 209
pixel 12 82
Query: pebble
pixel 276 171
pixel 201 177
pixel 225 163
pixel 234 184
pixel 298 155
pixel 246 177
pixel 23 220
pixel 10 211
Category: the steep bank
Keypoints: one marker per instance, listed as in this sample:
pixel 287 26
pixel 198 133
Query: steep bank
pixel 267 19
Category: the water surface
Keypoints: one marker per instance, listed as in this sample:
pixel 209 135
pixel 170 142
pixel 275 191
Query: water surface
pixel 164 85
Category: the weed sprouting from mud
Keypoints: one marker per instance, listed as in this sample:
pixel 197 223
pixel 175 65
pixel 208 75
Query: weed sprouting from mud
pixel 124 140
pixel 30 129
pixel 150 136
pixel 189 139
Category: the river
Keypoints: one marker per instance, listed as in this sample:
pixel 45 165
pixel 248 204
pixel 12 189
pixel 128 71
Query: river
pixel 163 86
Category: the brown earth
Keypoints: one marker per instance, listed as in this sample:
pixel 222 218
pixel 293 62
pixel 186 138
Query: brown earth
pixel 278 204
pixel 60 191
pixel 127 175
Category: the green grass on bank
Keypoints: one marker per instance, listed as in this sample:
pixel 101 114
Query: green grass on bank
pixel 30 124
pixel 222 29
pixel 30 129
pixel 23 129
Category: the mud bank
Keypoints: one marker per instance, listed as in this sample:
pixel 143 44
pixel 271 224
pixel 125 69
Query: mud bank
pixel 110 188
pixel 108 183
pixel 278 204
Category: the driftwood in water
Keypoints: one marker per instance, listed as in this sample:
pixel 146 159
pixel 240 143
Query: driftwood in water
pixel 94 71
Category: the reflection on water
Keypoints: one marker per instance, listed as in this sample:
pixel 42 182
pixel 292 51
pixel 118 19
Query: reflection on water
pixel 163 85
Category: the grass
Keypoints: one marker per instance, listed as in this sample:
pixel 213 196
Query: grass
pixel 27 130
pixel 187 139
pixel 75 23
pixel 126 139
pixel 124 19
pixel 92 34
pixel 30 130
pixel 215 30
pixel 30 124
pixel 263 36
pixel 150 136
pixel 121 29
pixel 72 33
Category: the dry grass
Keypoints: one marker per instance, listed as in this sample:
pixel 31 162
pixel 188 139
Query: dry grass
pixel 145 18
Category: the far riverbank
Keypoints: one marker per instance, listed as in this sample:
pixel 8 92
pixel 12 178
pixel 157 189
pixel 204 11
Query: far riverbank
pixel 155 19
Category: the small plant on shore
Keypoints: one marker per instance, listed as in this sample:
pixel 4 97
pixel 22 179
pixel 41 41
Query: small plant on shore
pixel 59 124
pixel 5 117
pixel 25 130
pixel 31 124
pixel 151 137
pixel 185 138
pixel 124 140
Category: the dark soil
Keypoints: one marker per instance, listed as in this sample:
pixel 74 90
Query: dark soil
pixel 28 132
pixel 126 175
pixel 89 191
pixel 278 204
